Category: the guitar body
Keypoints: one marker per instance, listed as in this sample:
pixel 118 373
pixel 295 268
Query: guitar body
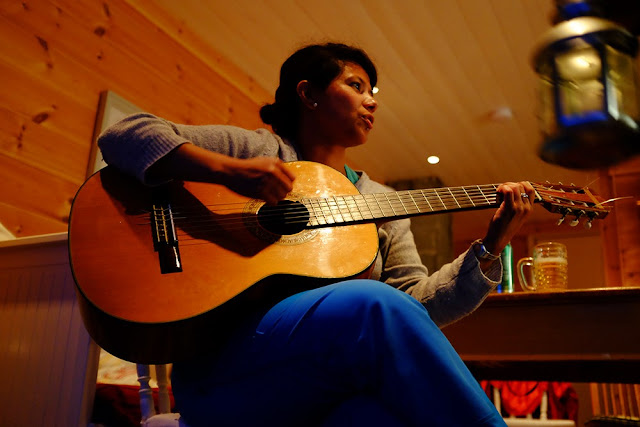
pixel 230 264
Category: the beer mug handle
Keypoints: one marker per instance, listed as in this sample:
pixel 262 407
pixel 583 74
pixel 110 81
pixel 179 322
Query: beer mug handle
pixel 522 263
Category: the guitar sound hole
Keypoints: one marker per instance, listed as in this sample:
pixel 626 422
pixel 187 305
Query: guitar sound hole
pixel 287 217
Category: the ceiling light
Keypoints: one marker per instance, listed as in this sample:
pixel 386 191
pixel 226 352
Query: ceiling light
pixel 433 159
pixel 501 114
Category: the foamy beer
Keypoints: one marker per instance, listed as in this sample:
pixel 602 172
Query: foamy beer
pixel 550 268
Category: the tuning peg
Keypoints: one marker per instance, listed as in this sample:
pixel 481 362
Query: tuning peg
pixel 564 212
pixel 592 216
pixel 561 220
pixel 577 220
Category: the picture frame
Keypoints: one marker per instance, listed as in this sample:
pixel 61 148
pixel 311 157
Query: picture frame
pixel 112 108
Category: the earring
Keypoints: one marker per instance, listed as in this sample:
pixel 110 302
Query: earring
pixel 315 104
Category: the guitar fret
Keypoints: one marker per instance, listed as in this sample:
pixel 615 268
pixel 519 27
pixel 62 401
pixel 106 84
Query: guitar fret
pixel 335 211
pixel 313 215
pixel 483 195
pixel 353 209
pixel 454 198
pixel 413 200
pixel 375 198
pixel 362 202
pixel 345 213
pixel 404 207
pixel 357 200
pixel 426 199
pixel 328 214
pixel 405 202
pixel 440 198
pixel 469 197
pixel 390 204
pixel 317 212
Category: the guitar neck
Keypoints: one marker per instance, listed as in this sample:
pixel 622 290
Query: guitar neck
pixel 361 208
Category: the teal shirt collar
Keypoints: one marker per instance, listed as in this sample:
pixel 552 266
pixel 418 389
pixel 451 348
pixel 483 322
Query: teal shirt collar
pixel 351 174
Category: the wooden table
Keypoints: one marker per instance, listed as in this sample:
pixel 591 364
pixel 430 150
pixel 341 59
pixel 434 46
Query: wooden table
pixel 578 335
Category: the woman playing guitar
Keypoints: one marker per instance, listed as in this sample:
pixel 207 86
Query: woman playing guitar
pixel 358 352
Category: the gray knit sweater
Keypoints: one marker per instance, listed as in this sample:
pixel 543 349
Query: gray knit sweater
pixel 138 141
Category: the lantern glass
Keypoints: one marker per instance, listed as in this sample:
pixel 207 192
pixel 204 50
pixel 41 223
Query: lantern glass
pixel 580 86
pixel 621 78
pixel 546 100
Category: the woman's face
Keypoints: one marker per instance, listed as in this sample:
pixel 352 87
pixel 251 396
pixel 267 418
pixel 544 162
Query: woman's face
pixel 345 109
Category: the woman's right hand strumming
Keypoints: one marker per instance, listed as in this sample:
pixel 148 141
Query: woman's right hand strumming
pixel 264 178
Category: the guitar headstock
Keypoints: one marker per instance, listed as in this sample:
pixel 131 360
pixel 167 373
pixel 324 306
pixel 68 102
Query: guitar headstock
pixel 579 202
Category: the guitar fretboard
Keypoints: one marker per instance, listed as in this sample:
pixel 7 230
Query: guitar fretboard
pixel 401 204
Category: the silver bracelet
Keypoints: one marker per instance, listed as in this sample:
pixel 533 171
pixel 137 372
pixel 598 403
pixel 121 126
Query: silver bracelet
pixel 483 253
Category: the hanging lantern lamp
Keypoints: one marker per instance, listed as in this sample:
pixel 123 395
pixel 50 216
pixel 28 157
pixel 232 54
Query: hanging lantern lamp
pixel 589 107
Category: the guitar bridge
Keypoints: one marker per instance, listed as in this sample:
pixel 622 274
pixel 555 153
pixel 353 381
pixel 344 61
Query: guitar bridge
pixel 165 240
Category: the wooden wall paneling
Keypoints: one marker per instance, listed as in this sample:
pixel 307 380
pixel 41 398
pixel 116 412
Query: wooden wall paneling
pixel 56 57
pixel 23 222
pixel 117 66
pixel 180 32
pixel 193 73
pixel 46 103
pixel 246 113
pixel 125 49
pixel 32 348
pixel 127 33
pixel 39 55
pixel 75 351
pixel 46 363
pixel 9 317
pixel 51 107
pixel 621 233
pixel 49 123
pixel 629 227
pixel 47 344
pixel 35 191
pixel 609 234
pixel 41 147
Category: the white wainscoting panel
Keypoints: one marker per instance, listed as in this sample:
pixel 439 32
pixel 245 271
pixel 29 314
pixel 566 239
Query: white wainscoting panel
pixel 48 362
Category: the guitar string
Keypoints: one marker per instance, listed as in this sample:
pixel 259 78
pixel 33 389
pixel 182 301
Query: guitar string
pixel 347 204
pixel 309 211
pixel 338 209
pixel 348 200
pixel 236 223
pixel 400 195
pixel 205 226
pixel 305 216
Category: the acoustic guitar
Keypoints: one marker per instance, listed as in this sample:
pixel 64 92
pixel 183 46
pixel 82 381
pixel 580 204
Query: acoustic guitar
pixel 165 273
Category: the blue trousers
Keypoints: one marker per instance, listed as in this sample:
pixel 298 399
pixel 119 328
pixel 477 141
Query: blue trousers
pixel 356 353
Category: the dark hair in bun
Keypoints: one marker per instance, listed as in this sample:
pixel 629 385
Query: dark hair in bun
pixel 318 64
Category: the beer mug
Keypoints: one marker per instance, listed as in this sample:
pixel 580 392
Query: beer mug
pixel 549 263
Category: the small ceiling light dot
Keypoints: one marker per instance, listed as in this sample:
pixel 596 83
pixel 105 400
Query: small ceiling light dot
pixel 501 114
pixel 433 159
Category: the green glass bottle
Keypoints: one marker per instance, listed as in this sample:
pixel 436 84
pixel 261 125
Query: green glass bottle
pixel 506 286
